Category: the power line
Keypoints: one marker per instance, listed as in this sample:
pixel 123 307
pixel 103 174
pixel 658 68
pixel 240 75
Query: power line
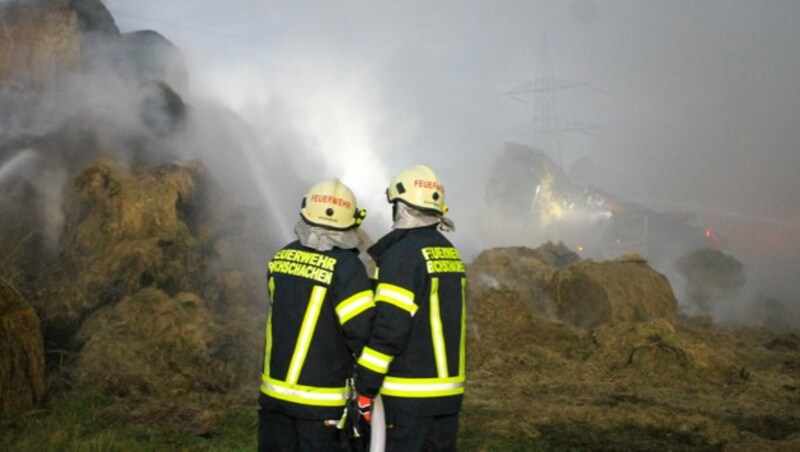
pixel 546 120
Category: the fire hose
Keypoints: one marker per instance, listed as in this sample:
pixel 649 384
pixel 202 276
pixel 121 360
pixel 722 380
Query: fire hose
pixel 377 440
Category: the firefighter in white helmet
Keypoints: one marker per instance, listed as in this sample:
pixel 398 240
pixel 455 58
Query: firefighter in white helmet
pixel 415 356
pixel 321 315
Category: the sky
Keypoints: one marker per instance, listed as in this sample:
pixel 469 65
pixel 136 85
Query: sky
pixel 694 105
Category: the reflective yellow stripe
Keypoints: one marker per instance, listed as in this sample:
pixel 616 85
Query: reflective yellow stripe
pixel 306 331
pixel 268 345
pixel 396 295
pixel 354 306
pixel 271 289
pixel 306 395
pixel 422 387
pixel 462 354
pixel 268 334
pixel 375 360
pixel 439 350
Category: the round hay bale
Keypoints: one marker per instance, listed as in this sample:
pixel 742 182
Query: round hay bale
pixel 93 16
pixel 521 272
pixel 151 344
pixel 41 39
pixel 132 202
pixel 710 275
pixel 557 255
pixel 129 227
pixel 22 371
pixel 589 294
pixel 148 55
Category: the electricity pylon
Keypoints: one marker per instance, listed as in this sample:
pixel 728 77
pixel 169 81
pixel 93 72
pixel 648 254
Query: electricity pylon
pixel 546 120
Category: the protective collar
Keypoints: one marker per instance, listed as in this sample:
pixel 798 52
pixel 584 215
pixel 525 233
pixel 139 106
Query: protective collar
pixel 322 239
pixel 407 217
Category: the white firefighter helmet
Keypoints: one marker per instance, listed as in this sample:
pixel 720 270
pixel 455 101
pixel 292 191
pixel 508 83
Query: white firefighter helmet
pixel 331 204
pixel 418 187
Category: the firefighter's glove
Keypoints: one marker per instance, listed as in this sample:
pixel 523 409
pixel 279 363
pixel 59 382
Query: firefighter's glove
pixel 365 407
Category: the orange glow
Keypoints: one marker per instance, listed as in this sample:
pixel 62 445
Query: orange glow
pixel 708 233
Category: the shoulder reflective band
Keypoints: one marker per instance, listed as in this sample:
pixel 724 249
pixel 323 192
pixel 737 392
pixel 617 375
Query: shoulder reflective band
pixel 439 350
pixel 375 360
pixel 396 295
pixel 306 395
pixel 423 387
pixel 354 306
pixel 306 331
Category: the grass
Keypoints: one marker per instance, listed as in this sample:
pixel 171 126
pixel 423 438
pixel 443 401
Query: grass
pixel 79 425
pixel 73 424
pixel 477 434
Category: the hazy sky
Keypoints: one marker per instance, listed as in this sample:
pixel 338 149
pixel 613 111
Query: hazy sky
pixel 697 103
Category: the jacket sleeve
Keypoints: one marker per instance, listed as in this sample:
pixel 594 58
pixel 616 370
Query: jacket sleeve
pixel 395 308
pixel 355 307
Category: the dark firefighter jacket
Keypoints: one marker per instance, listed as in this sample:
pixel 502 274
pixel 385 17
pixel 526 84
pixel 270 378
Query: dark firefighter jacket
pixel 415 357
pixel 321 316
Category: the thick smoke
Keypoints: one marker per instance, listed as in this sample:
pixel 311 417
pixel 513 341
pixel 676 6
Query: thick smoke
pixel 83 89
pixel 694 104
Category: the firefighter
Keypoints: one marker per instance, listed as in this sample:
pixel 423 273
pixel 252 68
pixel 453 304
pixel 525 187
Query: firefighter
pixel 321 315
pixel 415 356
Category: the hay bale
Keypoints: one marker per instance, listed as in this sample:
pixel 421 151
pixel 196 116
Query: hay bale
pixel 710 275
pixel 94 17
pixel 520 272
pixel 168 360
pixel 589 294
pixel 128 227
pixel 128 202
pixel 557 255
pixel 22 371
pixel 151 344
pixel 41 40
pixel 148 55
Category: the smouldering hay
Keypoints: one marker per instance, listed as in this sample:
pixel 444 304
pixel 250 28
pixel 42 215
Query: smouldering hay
pixel 22 372
pixel 521 272
pixel 151 345
pixel 712 268
pixel 129 227
pixel 134 295
pixel 654 351
pixel 129 203
pixel 710 275
pixel 497 319
pixel 168 359
pixel 525 374
pixel 590 293
pixel 556 254
pixel 512 344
